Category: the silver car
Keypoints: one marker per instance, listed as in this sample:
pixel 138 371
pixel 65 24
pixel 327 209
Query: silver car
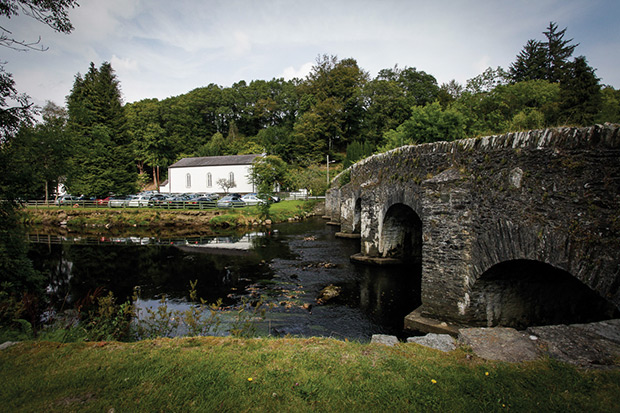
pixel 119 201
pixel 139 201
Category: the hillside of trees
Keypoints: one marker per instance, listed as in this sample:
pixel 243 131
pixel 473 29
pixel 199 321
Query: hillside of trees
pixel 338 110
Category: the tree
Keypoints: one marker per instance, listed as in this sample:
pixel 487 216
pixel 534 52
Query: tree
pixel 494 111
pixel 531 62
pixel 50 144
pixel 543 60
pixel 449 92
pixel 610 106
pixel 419 87
pixel 226 184
pixel 355 151
pixel 558 52
pixel 267 174
pixel 17 276
pixel 580 93
pixel 52 13
pixel 311 178
pixel 487 81
pixel 428 123
pixel 332 95
pixel 103 159
pixel 386 107
pixel 151 145
pixel 15 108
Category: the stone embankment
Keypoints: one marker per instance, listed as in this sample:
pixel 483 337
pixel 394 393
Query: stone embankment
pixel 592 345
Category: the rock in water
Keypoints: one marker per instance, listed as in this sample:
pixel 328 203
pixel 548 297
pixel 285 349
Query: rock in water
pixel 328 293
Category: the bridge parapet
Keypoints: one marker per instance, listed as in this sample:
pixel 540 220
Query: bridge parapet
pixel 550 196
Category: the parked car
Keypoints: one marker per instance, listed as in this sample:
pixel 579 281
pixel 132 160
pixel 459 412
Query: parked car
pixel 230 201
pixel 118 201
pixel 66 199
pixel 250 199
pixel 202 202
pixel 139 201
pixel 159 200
pixel 270 198
pixel 178 201
pixel 102 201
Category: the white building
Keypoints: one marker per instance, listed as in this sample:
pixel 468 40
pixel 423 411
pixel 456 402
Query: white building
pixel 200 175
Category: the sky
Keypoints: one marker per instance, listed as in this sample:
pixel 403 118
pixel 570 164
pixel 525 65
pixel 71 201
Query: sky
pixel 163 48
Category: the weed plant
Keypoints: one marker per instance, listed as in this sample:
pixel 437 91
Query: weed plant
pixel 101 318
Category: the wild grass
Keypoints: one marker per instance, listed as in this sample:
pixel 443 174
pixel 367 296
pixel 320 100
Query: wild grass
pixel 227 374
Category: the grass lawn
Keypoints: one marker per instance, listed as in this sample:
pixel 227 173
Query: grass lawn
pixel 292 374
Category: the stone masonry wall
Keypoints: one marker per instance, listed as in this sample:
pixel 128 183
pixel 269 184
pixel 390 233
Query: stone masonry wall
pixel 547 195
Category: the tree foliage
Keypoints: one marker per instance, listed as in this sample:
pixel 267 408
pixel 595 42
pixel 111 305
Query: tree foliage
pixel 50 144
pixel 52 13
pixel 357 150
pixel 18 279
pixel 428 123
pixel 546 60
pixel 102 162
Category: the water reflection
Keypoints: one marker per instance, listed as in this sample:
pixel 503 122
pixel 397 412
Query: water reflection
pixel 286 266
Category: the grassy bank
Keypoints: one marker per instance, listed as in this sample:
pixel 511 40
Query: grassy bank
pixel 316 374
pixel 97 219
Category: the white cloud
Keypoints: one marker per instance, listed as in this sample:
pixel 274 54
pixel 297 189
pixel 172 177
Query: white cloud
pixel 124 64
pixel 290 72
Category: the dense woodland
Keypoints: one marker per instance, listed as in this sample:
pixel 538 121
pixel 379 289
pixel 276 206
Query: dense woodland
pixel 99 146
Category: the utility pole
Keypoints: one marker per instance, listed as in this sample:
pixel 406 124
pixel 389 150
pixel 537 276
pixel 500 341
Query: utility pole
pixel 328 170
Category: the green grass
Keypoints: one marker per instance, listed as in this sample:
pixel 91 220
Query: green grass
pixel 212 374
pixel 80 218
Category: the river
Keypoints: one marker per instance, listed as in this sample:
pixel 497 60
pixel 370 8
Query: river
pixel 286 265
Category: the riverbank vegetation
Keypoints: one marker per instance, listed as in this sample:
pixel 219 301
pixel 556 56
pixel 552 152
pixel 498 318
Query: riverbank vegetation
pixel 97 220
pixel 316 374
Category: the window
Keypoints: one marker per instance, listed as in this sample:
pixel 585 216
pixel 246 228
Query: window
pixel 188 180
pixel 209 180
pixel 231 178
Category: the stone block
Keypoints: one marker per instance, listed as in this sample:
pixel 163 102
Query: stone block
pixel 384 339
pixel 578 344
pixel 442 342
pixel 499 343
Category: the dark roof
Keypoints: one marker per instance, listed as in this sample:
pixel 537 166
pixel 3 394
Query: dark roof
pixel 215 161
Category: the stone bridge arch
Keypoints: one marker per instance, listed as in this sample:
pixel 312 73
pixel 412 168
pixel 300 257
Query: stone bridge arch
pixel 357 216
pixel 523 293
pixel 401 233
pixel 546 197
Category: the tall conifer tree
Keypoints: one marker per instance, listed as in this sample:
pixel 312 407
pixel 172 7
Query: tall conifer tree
pixel 103 162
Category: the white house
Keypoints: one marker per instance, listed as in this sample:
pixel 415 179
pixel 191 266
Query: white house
pixel 199 175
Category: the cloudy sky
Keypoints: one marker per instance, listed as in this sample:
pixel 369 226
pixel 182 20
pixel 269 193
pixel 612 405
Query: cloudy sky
pixel 162 48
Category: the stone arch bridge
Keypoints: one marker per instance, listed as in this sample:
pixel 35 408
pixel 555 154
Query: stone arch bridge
pixel 511 230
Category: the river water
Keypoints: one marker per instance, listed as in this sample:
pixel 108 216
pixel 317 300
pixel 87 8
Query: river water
pixel 287 266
